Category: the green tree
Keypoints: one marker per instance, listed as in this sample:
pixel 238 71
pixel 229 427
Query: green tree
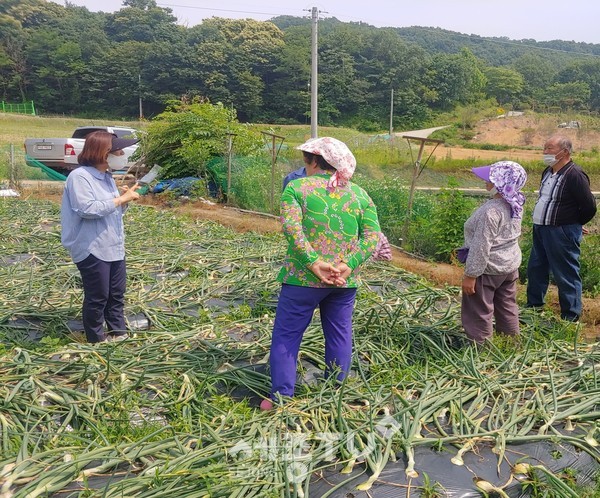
pixel 13 72
pixel 538 74
pixel 288 94
pixel 341 92
pixel 234 60
pixel 382 62
pixel 49 47
pixel 504 84
pixel 574 95
pixel 113 88
pixel 456 79
pixel 56 69
pixel 18 21
pixel 588 72
pixel 166 74
pixel 144 21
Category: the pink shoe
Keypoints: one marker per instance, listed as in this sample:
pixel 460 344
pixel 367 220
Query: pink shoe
pixel 266 405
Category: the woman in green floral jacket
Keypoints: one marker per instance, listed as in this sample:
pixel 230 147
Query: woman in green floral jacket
pixel 331 227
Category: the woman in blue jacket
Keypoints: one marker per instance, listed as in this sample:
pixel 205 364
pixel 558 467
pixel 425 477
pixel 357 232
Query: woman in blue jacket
pixel 92 231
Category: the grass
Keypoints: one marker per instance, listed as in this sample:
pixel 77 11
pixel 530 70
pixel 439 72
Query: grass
pixel 16 128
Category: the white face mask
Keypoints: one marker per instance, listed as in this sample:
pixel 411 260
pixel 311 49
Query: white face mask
pixel 116 163
pixel 550 160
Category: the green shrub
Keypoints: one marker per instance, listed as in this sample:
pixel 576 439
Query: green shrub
pixel 485 146
pixel 391 198
pixel 436 225
pixel 451 210
pixel 187 135
pixel 250 182
pixel 590 264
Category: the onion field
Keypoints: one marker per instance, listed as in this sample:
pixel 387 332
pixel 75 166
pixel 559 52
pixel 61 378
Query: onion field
pixel 173 410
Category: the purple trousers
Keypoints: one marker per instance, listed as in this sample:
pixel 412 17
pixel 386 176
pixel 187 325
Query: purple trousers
pixel 294 313
pixel 103 296
pixel 495 296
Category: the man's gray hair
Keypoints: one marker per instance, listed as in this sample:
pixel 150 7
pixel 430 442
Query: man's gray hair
pixel 564 143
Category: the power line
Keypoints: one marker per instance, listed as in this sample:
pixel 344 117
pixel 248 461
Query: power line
pixel 221 10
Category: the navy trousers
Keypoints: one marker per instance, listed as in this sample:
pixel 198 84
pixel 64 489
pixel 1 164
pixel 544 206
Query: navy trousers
pixel 556 249
pixel 103 297
pixel 294 313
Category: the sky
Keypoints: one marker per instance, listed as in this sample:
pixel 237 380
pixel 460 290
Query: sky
pixel 576 20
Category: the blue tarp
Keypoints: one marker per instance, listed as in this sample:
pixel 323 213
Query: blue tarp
pixel 180 186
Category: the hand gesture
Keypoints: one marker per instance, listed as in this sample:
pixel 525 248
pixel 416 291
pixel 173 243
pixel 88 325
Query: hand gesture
pixel 326 272
pixel 129 194
pixel 124 188
pixel 344 272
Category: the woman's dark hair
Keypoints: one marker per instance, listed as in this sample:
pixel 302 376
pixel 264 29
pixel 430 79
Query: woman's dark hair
pixel 95 149
pixel 324 165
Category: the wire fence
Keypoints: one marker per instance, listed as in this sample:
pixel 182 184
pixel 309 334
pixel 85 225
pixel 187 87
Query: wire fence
pixel 20 108
pixel 16 166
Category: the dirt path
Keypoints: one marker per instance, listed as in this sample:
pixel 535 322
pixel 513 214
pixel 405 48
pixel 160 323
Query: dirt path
pixel 527 130
pixel 479 154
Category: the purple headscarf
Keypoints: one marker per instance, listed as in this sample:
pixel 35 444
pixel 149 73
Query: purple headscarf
pixel 509 178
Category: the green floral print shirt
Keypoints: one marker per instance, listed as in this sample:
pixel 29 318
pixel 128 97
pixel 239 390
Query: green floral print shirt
pixel 332 226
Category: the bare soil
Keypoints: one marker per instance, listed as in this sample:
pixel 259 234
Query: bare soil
pixel 533 131
pixel 520 131
pixel 486 155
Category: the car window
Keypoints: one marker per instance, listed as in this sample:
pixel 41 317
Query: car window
pixel 125 133
pixel 83 132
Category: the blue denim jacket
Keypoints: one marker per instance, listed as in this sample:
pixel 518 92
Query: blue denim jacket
pixel 91 223
pixel 297 173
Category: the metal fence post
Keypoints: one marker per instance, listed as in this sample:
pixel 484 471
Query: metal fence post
pixel 230 137
pixel 274 154
pixel 12 180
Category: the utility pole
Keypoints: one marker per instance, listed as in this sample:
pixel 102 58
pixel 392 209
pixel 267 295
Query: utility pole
pixel 392 114
pixel 140 95
pixel 314 87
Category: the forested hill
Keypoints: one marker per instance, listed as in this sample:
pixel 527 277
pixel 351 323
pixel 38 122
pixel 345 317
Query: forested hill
pixel 496 51
pixel 73 61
